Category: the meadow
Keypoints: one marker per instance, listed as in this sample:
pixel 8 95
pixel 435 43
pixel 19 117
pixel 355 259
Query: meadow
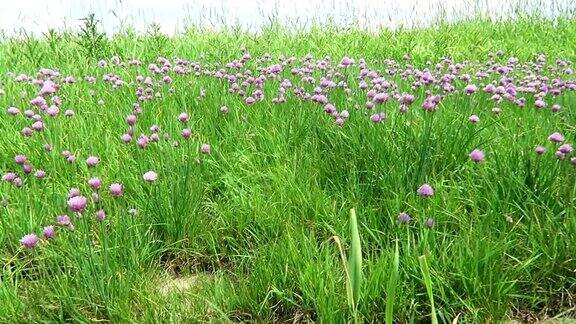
pixel 323 175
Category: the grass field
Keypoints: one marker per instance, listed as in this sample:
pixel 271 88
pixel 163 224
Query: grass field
pixel 456 216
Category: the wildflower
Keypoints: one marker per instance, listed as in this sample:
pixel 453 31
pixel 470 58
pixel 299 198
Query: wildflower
pixel 63 220
pixel 131 120
pixel 9 176
pixel 425 191
pixel 540 150
pixel 470 89
pixel 116 190
pixel 92 161
pixel 27 131
pixel 29 241
pixel 77 203
pixel 183 118
pixel 339 122
pixel 404 218
pixel 40 174
pixel 100 215
pixel 429 223
pixel 48 232
pixel 95 183
pixel 126 138
pixel 27 168
pixel 69 113
pixel 224 109
pixel 565 148
pixel 20 159
pixel 73 192
pixel 150 176
pixel 477 156
pixel 205 148
pixel 186 133
pixel 556 137
pixel 474 119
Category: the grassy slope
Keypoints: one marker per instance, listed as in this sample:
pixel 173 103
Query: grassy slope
pixel 252 220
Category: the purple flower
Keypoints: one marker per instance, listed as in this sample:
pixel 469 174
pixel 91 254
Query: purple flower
pixel 92 161
pixel 205 148
pixel 95 183
pixel 573 161
pixel 29 241
pixel 27 168
pixel 20 159
pixel 404 218
pixel 40 174
pixel 556 137
pixel 477 156
pixel 186 133
pixel 470 89
pixel 131 120
pixel 9 176
pixel 250 100
pixel 116 190
pixel 49 232
pixel 77 203
pixel 425 191
pixel 559 155
pixel 474 119
pixel 126 138
pixel 339 122
pixel 540 103
pixel 63 220
pixel 47 147
pixel 565 148
pixel 27 131
pixel 540 150
pixel 224 109
pixel 150 176
pixel 73 192
pixel 100 215
pixel 429 223
pixel 183 117
pixel 555 108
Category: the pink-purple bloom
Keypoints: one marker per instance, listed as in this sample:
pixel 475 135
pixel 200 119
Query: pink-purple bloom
pixel 29 241
pixel 425 191
pixel 116 190
pixel 477 156
pixel 150 176
pixel 77 204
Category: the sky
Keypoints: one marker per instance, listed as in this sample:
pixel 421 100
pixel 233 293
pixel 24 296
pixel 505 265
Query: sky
pixel 37 16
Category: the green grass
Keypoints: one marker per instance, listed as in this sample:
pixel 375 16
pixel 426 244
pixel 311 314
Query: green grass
pixel 250 225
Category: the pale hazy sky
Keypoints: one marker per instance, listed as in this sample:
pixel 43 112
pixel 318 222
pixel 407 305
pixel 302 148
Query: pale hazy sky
pixel 39 15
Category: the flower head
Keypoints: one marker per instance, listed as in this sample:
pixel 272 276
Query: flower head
pixel 404 218
pixel 556 137
pixel 77 203
pixel 29 241
pixel 540 150
pixel 425 191
pixel 49 232
pixel 150 176
pixel 92 161
pixel 429 223
pixel 95 183
pixel 116 190
pixel 477 156
pixel 205 148
pixel 100 215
